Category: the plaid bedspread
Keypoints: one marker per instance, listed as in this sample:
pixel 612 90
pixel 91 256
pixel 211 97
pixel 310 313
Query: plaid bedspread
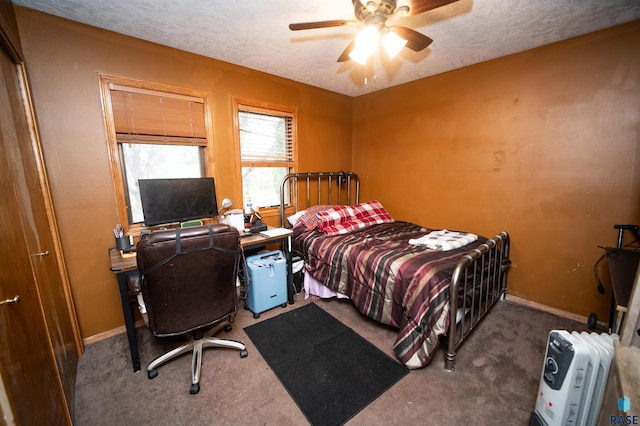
pixel 389 280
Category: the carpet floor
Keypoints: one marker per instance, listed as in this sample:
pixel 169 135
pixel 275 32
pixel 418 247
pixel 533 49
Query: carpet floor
pixel 495 381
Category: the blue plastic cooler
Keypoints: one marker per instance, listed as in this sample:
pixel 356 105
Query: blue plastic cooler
pixel 265 277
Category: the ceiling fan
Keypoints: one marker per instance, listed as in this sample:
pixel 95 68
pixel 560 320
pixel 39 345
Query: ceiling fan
pixel 374 15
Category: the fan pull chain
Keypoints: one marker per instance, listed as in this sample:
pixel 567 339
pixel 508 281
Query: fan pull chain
pixel 373 71
pixel 366 66
pixel 373 66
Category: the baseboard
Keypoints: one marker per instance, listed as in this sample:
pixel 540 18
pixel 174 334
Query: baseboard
pixel 515 299
pixel 109 333
pixel 551 310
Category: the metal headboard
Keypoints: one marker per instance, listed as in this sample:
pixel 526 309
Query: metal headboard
pixel 331 188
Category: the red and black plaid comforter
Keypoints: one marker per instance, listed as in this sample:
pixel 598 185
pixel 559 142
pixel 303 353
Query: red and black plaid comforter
pixel 389 280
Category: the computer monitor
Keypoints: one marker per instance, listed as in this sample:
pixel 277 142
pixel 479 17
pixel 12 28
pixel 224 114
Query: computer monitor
pixel 166 201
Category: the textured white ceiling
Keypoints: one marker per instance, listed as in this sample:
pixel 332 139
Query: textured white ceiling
pixel 255 33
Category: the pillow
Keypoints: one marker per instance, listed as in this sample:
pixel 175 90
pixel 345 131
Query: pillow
pixel 294 218
pixel 335 215
pixel 344 219
pixel 310 219
pixel 372 211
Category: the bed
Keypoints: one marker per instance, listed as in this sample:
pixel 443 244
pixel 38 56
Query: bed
pixel 388 270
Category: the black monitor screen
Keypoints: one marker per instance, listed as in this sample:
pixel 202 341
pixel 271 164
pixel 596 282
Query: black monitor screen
pixel 177 200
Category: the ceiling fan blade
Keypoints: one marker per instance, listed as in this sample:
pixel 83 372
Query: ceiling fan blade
pixel 319 24
pixel 415 40
pixel 420 6
pixel 345 55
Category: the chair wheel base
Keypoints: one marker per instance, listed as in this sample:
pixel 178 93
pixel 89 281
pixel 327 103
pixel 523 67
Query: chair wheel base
pixel 195 388
pixel 244 353
pixel 152 374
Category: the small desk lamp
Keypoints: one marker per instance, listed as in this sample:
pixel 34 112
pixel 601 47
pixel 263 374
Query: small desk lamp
pixel 226 203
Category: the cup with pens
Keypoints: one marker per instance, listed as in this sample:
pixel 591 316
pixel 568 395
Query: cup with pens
pixel 123 242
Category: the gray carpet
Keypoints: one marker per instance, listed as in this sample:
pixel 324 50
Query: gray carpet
pixel 495 381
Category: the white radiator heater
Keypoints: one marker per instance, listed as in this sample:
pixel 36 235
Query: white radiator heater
pixel 574 375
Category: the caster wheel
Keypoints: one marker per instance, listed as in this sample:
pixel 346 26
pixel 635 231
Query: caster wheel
pixel 244 353
pixel 228 328
pixel 152 374
pixel 256 316
pixel 246 308
pixel 284 305
pixel 592 322
pixel 195 388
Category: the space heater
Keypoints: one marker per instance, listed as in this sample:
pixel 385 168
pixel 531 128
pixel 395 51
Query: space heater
pixel 574 376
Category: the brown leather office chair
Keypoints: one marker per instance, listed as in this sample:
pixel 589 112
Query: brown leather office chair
pixel 188 284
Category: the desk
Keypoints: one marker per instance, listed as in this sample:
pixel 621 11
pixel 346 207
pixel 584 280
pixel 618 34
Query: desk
pixel 123 267
pixel 623 265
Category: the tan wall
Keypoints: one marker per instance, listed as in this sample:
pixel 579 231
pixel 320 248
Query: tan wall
pixel 63 61
pixel 542 144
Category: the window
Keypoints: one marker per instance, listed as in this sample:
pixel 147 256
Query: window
pixel 266 141
pixel 154 131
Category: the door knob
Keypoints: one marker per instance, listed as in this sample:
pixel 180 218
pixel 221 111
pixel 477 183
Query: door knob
pixel 10 301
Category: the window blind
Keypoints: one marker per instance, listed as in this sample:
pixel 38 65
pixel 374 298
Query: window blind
pixel 265 139
pixel 144 117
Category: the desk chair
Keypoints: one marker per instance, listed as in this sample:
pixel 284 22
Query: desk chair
pixel 188 285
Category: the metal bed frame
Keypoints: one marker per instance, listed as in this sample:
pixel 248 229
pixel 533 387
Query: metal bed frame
pixel 482 274
pixel 479 277
pixel 344 186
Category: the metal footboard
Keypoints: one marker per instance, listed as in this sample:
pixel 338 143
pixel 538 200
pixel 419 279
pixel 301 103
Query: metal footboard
pixel 479 280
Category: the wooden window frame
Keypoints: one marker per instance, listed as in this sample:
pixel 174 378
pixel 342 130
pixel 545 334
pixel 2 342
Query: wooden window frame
pixel 109 83
pixel 269 109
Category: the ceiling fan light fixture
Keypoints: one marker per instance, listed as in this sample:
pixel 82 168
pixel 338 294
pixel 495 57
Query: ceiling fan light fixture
pixel 393 43
pixel 365 44
pixel 371 6
pixel 402 11
pixel 359 56
pixel 377 16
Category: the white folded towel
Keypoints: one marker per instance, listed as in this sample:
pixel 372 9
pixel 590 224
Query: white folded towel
pixel 444 240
